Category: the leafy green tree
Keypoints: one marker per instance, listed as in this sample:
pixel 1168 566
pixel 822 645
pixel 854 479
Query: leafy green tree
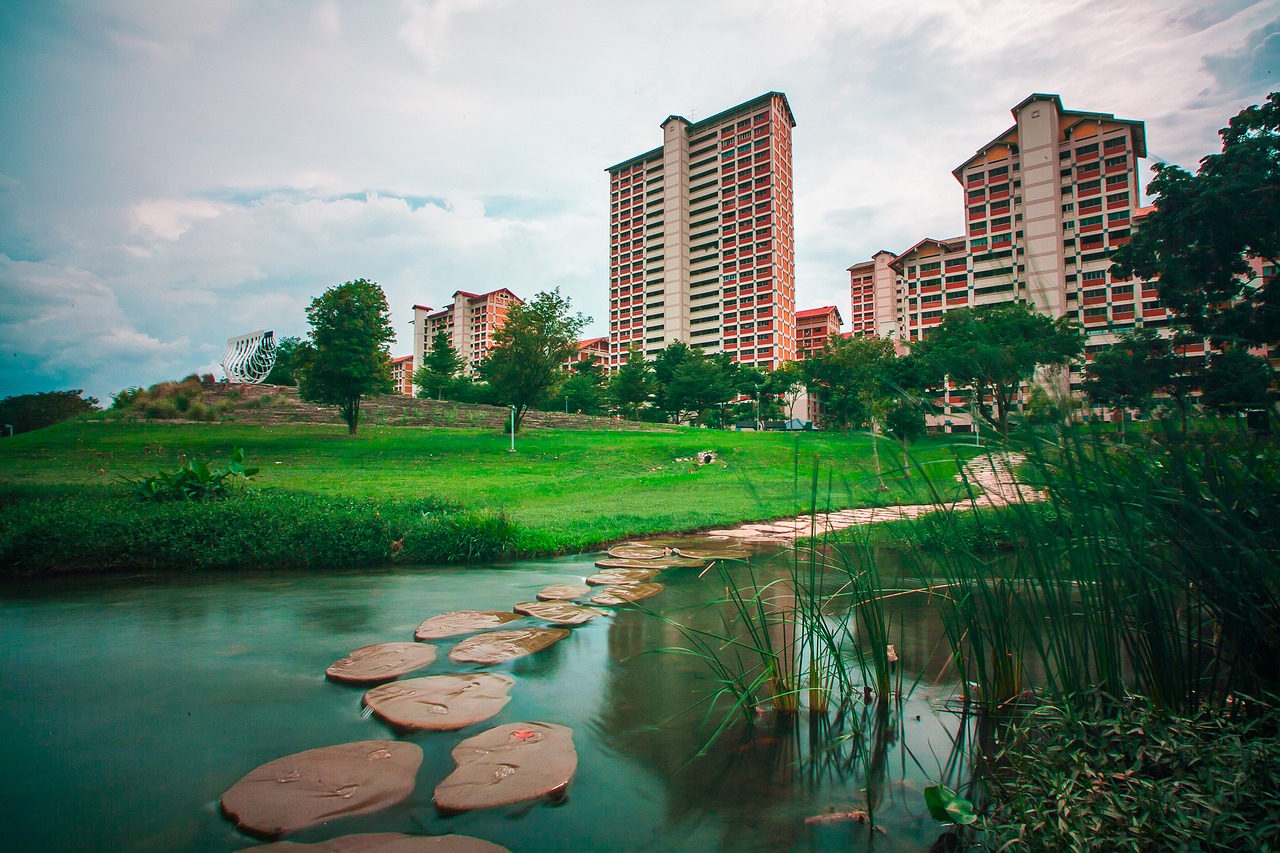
pixel 786 384
pixel 1205 228
pixel 633 386
pixel 289 355
pixel 849 376
pixel 439 367
pixel 584 390
pixel 26 412
pixel 529 350
pixel 1237 381
pixel 993 349
pixel 348 354
pixel 1128 374
pixel 698 384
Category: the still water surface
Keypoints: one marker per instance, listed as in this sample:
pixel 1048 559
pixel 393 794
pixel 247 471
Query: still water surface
pixel 131 703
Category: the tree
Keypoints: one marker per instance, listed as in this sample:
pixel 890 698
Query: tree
pixel 26 412
pixel 1206 227
pixel 289 354
pixel 698 384
pixel 1129 373
pixel 584 390
pixel 529 349
pixel 993 349
pixel 439 367
pixel 633 385
pixel 347 357
pixel 848 376
pixel 1237 381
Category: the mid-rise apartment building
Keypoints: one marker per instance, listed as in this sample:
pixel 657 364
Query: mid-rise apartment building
pixel 702 238
pixel 402 374
pixel 814 326
pixel 470 323
pixel 1045 202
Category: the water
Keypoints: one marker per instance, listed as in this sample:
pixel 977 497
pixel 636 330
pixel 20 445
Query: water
pixel 130 704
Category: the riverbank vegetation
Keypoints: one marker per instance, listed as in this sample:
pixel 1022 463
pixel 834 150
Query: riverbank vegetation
pixel 558 492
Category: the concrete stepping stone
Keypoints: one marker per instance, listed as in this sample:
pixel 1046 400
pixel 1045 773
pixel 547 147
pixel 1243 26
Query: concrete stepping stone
pixel 380 662
pixel 457 622
pixel 557 612
pixel 388 842
pixel 612 596
pixel 440 702
pixel 614 577
pixel 508 764
pixel 674 561
pixel 497 646
pixel 319 785
pixel 563 592
pixel 719 554
pixel 637 552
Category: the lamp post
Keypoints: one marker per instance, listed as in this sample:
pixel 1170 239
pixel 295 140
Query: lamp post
pixel 513 430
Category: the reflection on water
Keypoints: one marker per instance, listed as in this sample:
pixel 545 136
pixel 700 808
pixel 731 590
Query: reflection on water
pixel 131 704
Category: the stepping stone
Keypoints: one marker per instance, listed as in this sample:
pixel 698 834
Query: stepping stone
pixel 558 612
pixel 388 842
pixel 723 554
pixel 380 662
pixel 319 785
pixel 563 592
pixel 613 577
pixel 658 563
pixel 462 622
pixel 509 764
pixel 637 552
pixel 614 595
pixel 440 702
pixel 497 646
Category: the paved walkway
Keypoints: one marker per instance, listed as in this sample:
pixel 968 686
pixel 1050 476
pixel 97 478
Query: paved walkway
pixel 991 475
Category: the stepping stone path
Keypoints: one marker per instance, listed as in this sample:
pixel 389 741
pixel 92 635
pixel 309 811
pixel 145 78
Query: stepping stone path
pixel 509 764
pixel 638 552
pixel 614 595
pixel 440 702
pixel 563 592
pixel 614 577
pixel 497 646
pixel 557 612
pixel 388 842
pixel 319 785
pixel 457 622
pixel 380 662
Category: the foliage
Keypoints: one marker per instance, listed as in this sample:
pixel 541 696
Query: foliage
pixel 529 349
pixel 1206 227
pixel 946 806
pixel 25 412
pixel 1130 777
pixel 194 480
pixel 584 390
pixel 1237 381
pixel 690 383
pixel 289 361
pixel 1129 373
pixel 633 385
pixel 347 357
pixel 993 349
pixel 440 366
pixel 850 377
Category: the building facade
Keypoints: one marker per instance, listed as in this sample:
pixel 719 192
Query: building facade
pixel 1045 202
pixel 402 374
pixel 702 238
pixel 814 326
pixel 470 323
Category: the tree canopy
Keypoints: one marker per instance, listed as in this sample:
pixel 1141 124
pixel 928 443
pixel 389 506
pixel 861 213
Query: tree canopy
pixel 633 385
pixel 26 412
pixel 289 356
pixel 347 356
pixel 1129 373
pixel 1205 229
pixel 849 376
pixel 439 367
pixel 993 349
pixel 529 350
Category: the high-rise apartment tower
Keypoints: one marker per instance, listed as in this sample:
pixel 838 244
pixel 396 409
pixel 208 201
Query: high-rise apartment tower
pixel 702 238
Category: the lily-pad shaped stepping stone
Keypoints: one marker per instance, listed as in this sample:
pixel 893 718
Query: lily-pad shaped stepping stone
pixel 659 563
pixel 558 612
pixel 388 842
pixel 320 785
pixel 637 552
pixel 462 622
pixel 614 577
pixel 563 592
pixel 497 646
pixel 509 764
pixel 380 662
pixel 440 702
pixel 614 595
pixel 720 554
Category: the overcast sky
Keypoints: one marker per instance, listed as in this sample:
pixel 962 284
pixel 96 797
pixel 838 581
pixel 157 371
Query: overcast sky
pixel 176 173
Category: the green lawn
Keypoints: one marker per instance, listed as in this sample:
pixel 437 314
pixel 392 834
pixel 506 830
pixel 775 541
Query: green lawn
pixel 566 489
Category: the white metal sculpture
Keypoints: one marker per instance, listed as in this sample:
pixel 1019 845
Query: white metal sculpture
pixel 249 358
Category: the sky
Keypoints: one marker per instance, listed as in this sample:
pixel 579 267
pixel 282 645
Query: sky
pixel 175 174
